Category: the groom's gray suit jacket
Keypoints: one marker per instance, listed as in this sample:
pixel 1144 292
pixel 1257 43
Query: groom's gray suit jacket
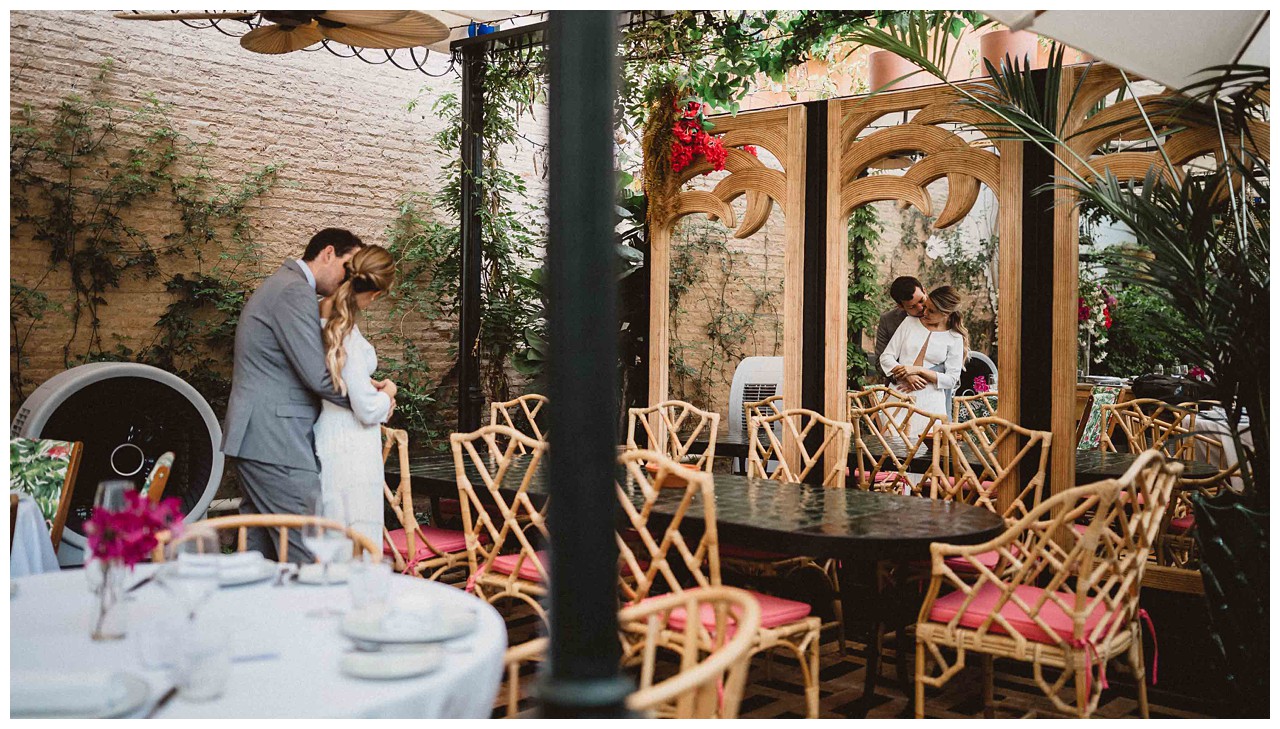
pixel 279 375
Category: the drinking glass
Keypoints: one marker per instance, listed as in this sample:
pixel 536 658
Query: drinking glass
pixel 326 544
pixel 370 581
pixel 110 494
pixel 203 660
pixel 191 569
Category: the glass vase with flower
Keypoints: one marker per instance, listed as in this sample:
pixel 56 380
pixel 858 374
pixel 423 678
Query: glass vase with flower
pixel 120 538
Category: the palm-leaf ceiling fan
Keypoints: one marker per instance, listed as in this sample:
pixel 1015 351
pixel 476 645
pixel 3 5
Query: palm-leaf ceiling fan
pixel 283 31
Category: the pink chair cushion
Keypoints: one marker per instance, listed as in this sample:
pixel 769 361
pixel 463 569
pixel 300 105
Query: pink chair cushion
pixel 945 608
pixel 774 611
pixel 1182 524
pixel 878 477
pixel 986 559
pixel 528 571
pixel 448 540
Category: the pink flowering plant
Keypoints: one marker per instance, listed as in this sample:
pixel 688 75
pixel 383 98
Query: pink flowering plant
pixel 128 536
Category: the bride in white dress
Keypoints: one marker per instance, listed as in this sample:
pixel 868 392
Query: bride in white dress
pixel 349 442
pixel 933 348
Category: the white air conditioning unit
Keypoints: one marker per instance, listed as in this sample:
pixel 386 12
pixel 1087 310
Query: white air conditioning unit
pixel 105 404
pixel 755 379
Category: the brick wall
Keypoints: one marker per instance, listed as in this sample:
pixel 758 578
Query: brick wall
pixel 342 127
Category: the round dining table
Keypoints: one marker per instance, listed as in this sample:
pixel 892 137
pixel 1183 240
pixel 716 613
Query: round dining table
pixel 283 662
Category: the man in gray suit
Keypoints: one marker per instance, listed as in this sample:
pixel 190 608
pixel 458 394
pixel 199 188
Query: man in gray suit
pixel 278 380
pixel 909 296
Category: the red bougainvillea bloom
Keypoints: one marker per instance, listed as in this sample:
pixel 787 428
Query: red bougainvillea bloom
pixel 691 140
pixel 129 535
pixel 1198 373
pixel 1085 311
pixel 1106 316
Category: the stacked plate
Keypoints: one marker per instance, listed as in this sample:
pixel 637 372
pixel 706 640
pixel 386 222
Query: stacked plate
pixel 400 640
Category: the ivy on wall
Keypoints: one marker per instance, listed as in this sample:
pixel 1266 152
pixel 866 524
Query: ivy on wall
pixel 79 173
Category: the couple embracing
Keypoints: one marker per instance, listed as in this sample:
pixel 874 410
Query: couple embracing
pixel 303 421
pixel 922 344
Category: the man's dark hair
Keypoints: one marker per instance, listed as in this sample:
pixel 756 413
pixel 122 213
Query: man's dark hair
pixel 902 288
pixel 343 241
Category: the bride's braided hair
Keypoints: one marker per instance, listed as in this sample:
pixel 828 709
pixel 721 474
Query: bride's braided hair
pixel 370 269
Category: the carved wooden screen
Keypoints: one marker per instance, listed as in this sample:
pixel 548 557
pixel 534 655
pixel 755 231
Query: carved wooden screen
pixel 1090 135
pixel 929 148
pixel 781 131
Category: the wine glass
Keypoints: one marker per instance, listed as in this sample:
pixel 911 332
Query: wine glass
pixel 110 494
pixel 326 543
pixel 191 569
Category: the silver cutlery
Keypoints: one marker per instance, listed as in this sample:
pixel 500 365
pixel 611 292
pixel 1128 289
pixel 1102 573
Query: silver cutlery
pixel 164 699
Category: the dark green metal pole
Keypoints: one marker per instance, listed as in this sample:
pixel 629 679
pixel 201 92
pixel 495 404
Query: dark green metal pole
pixel 583 678
pixel 470 398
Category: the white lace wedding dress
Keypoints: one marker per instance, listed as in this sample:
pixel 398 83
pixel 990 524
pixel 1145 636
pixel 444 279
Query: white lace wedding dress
pixel 349 441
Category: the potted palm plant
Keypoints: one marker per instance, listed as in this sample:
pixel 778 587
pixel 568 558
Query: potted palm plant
pixel 1204 238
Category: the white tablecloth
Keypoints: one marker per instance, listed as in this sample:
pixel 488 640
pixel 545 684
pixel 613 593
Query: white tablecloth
pixel 49 628
pixel 32 551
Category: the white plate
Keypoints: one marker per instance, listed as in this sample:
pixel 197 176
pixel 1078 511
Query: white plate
pixel 385 665
pixel 445 623
pixel 264 571
pixel 135 695
pixel 313 574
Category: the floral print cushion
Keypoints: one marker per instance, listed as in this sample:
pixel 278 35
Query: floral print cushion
pixel 39 468
pixel 980 408
pixel 1093 426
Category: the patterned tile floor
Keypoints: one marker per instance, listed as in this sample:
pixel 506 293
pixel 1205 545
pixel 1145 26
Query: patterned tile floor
pixel 775 689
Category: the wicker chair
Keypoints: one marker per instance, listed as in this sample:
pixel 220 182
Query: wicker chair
pixel 522 411
pixel 873 396
pixel 968 465
pixel 281 523
pixel 425 551
pixel 47 470
pixel 158 479
pixel 796 425
pixel 521 414
pixel 885 442
pixel 672 427
pixel 1070 598
pixel 971 407
pixel 667 561
pixel 712 672
pixel 1138 425
pixel 521 575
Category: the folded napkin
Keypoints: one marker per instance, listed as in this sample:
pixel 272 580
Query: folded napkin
pixel 228 566
pixel 63 692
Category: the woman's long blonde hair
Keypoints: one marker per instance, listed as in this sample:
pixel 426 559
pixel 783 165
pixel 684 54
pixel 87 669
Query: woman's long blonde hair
pixel 371 269
pixel 946 300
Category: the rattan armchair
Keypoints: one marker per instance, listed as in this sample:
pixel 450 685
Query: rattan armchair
pixel 667 561
pixel 887 438
pixel 671 428
pixel 425 551
pixel 712 671
pixel 502 459
pixel 1068 601
pixel 281 524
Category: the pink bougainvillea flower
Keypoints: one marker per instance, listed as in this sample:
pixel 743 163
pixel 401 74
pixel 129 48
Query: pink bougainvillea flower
pixel 128 535
pixel 980 384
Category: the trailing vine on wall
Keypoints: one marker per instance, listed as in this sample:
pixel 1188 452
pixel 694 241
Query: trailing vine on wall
pixel 80 173
pixel 865 292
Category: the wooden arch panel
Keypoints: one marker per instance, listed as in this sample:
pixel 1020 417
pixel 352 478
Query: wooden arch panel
pixel 966 165
pixel 780 131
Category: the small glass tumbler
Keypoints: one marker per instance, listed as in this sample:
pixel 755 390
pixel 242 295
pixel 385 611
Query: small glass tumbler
pixel 369 581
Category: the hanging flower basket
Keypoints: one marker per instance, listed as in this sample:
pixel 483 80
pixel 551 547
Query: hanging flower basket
pixel 692 138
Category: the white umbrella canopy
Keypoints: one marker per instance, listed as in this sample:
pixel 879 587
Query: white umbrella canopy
pixel 1168 46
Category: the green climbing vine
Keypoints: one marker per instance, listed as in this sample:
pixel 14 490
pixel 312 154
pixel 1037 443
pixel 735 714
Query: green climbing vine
pixel 865 292
pixel 81 174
